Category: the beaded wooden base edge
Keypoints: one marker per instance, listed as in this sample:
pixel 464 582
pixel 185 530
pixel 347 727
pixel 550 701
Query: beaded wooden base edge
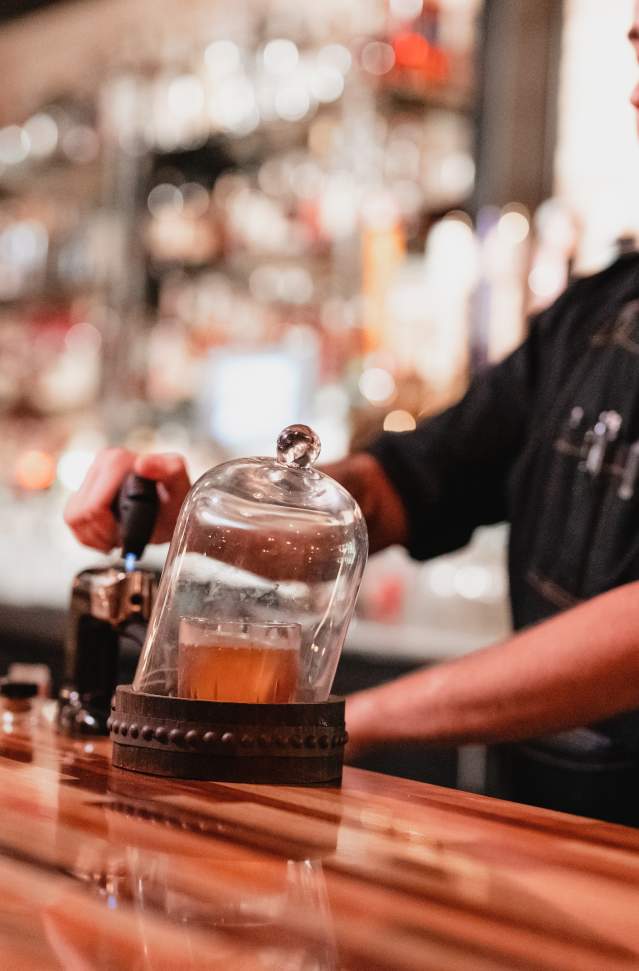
pixel 296 744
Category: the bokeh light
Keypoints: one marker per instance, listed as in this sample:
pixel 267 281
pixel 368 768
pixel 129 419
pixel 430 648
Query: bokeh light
pixel 514 226
pixel 164 196
pixel 399 421
pixel 326 83
pixel 14 145
pixel 280 56
pixel 546 279
pixel 83 337
pixel 34 470
pixel 336 55
pixel 73 466
pixel 292 102
pixel 42 132
pixel 222 57
pixel 377 385
pixel 406 9
pixel 185 95
pixel 378 58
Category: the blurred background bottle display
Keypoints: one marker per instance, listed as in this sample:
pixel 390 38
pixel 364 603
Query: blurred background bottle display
pixel 218 219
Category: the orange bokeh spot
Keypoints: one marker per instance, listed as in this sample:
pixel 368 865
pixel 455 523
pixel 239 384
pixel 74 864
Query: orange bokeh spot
pixel 414 53
pixel 411 50
pixel 34 470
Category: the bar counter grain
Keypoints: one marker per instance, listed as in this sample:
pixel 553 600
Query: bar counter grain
pixel 103 869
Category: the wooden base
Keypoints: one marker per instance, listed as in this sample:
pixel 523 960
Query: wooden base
pixel 297 744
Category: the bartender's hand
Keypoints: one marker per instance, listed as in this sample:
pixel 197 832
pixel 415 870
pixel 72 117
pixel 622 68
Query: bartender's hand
pixel 88 511
pixel 380 503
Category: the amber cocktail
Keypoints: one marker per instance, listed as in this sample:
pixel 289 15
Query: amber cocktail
pixel 235 661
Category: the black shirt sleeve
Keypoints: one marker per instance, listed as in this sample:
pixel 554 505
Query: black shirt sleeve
pixel 452 471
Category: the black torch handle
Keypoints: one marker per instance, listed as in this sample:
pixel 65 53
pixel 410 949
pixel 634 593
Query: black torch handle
pixel 136 510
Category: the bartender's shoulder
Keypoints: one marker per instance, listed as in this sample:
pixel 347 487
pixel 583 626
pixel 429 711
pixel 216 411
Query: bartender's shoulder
pixel 621 273
pixel 587 300
pixel 569 324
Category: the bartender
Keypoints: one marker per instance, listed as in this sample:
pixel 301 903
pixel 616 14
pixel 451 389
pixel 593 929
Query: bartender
pixel 548 441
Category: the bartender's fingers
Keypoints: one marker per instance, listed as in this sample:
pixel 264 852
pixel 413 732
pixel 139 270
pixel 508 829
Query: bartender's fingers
pixel 104 530
pixel 88 511
pixel 170 473
pixel 97 539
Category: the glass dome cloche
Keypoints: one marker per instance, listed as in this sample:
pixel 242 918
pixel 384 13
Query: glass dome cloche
pixel 259 584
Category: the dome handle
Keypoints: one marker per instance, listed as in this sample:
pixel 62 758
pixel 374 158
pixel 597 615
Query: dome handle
pixel 298 446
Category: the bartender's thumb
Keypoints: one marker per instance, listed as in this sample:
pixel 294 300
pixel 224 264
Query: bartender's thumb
pixel 170 472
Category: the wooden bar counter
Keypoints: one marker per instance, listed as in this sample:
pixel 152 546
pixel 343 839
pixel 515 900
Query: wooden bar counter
pixel 103 869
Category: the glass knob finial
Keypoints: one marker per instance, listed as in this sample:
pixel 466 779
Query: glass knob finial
pixel 299 446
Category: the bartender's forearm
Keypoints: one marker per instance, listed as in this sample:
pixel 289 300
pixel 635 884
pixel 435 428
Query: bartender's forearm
pixel 576 668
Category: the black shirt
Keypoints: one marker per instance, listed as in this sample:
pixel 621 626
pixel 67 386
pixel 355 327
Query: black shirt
pixel 507 452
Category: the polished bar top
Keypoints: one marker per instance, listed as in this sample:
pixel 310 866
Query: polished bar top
pixel 104 869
